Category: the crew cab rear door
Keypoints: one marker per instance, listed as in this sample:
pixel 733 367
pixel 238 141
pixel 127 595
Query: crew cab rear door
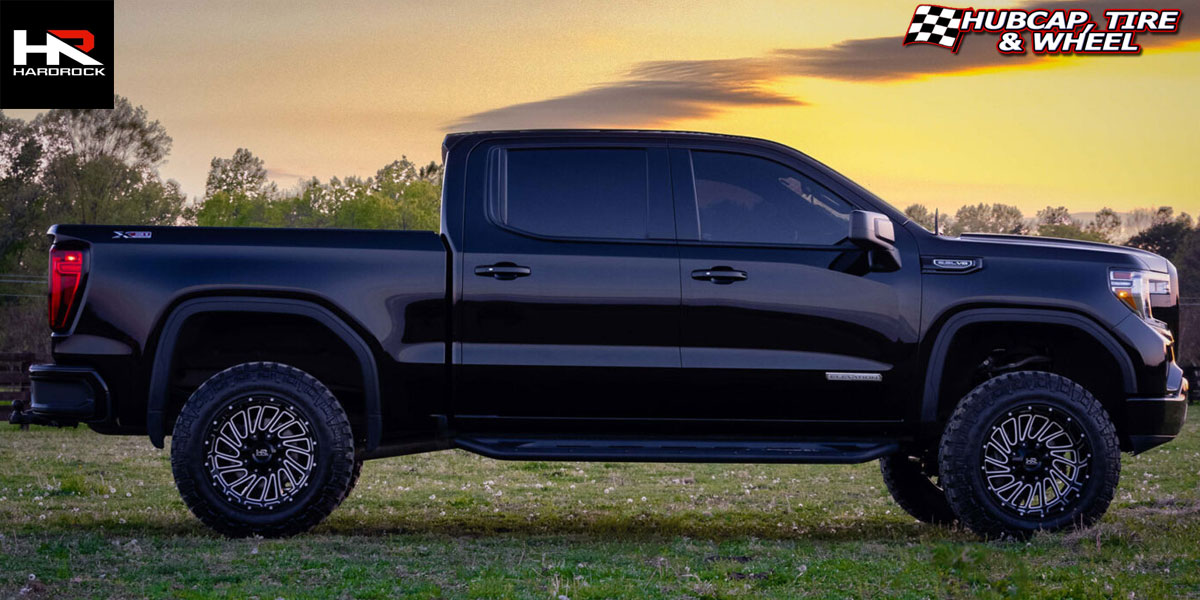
pixel 782 318
pixel 570 282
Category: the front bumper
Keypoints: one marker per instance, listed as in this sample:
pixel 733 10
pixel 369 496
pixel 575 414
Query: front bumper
pixel 67 394
pixel 1151 422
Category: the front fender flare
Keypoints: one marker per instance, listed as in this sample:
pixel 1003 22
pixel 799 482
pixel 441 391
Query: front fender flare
pixel 164 355
pixel 941 347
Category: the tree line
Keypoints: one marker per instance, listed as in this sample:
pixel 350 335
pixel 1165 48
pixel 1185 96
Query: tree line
pixel 1161 230
pixel 102 166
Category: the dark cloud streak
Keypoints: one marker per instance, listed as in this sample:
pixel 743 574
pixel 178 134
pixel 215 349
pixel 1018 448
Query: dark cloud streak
pixel 643 99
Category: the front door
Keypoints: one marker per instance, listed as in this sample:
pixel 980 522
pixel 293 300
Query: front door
pixel 782 318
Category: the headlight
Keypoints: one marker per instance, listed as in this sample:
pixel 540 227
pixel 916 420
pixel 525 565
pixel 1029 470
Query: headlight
pixel 1134 288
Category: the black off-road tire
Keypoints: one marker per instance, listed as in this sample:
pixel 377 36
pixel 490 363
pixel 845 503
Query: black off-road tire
pixel 354 475
pixel 964 473
pixel 914 490
pixel 333 464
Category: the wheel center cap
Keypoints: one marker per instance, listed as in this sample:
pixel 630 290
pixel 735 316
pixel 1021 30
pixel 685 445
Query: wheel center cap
pixel 262 453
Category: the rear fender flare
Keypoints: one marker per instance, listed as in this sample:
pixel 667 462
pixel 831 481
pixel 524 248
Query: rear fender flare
pixel 164 356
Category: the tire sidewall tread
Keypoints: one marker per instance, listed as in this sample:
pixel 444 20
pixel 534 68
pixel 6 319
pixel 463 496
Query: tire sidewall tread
pixel 959 459
pixel 914 491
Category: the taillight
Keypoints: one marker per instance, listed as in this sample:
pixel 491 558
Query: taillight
pixel 66 278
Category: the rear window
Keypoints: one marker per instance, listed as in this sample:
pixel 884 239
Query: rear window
pixel 576 192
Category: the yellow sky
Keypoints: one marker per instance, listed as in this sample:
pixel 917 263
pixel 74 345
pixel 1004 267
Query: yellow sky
pixel 343 88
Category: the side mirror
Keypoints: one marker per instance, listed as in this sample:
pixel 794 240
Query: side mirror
pixel 876 234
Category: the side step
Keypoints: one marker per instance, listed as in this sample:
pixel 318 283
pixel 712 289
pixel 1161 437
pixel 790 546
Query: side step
pixel 677 450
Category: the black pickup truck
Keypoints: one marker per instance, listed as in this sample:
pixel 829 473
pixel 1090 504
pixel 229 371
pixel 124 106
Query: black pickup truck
pixel 622 296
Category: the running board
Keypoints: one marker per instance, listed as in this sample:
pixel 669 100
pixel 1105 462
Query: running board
pixel 676 450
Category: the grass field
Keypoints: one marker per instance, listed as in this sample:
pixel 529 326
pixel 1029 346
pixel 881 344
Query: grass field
pixel 84 515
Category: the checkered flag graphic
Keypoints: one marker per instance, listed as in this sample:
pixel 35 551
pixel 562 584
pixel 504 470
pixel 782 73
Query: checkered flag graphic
pixel 935 25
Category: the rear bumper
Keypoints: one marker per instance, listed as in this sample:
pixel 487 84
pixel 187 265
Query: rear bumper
pixel 68 394
pixel 1151 422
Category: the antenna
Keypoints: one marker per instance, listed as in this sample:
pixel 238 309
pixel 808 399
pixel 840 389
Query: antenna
pixel 937 228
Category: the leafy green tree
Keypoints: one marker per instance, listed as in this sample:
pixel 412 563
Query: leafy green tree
pixel 1166 233
pixel 243 173
pixel 1187 261
pixel 22 197
pixel 81 166
pixel 105 190
pixel 223 209
pixel 1106 225
pixel 1055 216
pixel 921 215
pixel 416 193
pixel 366 211
pixel 125 134
pixel 1070 232
pixel 399 196
pixel 984 218
pixel 430 173
pixel 1057 222
pixel 299 210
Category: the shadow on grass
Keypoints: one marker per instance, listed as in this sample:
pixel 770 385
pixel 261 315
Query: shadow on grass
pixel 1139 521
pixel 601 527
pixel 652 526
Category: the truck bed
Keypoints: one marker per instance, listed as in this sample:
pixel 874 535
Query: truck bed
pixel 390 286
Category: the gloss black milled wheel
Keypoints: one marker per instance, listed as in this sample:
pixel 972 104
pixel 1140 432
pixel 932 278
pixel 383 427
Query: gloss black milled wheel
pixel 260 452
pixel 262 449
pixel 1029 451
pixel 1036 461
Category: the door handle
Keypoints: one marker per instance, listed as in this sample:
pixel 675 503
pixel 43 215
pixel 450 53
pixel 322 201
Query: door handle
pixel 503 271
pixel 720 275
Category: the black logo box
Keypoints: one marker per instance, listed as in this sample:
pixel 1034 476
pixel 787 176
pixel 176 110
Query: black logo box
pixel 37 17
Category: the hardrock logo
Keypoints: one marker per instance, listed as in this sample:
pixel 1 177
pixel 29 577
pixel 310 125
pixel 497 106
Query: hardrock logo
pixel 56 54
pixel 55 48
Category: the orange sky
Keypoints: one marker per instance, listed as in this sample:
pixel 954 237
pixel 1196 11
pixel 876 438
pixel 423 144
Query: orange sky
pixel 343 88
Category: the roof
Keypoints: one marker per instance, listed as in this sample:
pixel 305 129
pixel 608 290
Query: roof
pixel 606 132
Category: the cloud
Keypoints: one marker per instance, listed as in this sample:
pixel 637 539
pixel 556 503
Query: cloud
pixel 643 99
pixel 656 93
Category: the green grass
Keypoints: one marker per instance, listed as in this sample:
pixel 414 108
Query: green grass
pixel 84 515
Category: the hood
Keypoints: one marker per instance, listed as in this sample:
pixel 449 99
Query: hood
pixel 1149 260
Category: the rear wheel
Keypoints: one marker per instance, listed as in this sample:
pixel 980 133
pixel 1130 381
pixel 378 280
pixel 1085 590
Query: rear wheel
pixel 262 449
pixel 914 488
pixel 1029 451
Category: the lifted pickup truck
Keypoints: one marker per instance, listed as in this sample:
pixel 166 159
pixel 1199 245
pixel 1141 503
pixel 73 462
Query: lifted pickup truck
pixel 622 296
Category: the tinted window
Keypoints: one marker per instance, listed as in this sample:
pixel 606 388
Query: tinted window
pixel 744 198
pixel 577 192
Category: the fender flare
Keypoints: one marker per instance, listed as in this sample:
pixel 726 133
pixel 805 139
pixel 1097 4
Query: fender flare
pixel 941 347
pixel 164 355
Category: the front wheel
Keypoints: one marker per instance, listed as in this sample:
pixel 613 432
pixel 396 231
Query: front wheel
pixel 262 449
pixel 1029 451
pixel 914 489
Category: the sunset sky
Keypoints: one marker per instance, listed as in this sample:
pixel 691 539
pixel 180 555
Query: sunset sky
pixel 341 88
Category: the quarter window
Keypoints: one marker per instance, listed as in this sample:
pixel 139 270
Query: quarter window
pixel 576 192
pixel 742 198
